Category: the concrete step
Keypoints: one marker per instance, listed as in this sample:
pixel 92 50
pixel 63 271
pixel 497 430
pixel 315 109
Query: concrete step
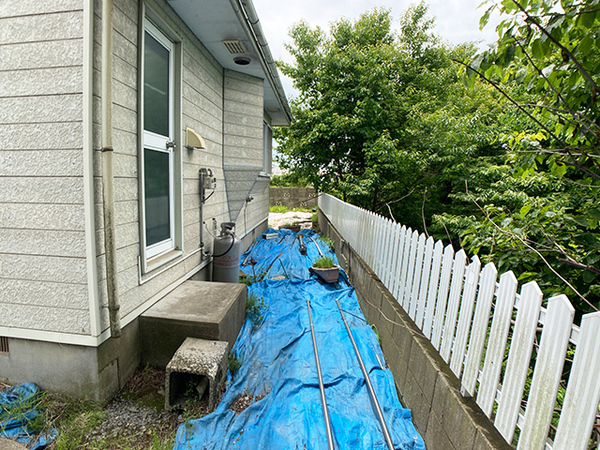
pixel 197 309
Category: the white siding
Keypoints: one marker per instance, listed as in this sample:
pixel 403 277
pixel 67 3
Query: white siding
pixel 42 247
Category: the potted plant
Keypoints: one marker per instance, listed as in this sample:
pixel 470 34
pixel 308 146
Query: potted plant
pixel 326 268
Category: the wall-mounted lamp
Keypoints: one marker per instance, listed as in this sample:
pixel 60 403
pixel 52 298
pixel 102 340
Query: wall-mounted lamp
pixel 193 139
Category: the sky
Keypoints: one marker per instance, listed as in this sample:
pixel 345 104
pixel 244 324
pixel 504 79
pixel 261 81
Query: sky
pixel 456 21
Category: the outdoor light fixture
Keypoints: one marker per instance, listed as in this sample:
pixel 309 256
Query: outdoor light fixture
pixel 193 139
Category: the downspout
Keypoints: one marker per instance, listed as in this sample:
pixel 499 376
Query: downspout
pixel 108 201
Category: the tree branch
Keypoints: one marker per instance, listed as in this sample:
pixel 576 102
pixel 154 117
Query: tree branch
pixel 565 50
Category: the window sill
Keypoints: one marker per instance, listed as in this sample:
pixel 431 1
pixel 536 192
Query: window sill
pixel 160 260
pixel 264 175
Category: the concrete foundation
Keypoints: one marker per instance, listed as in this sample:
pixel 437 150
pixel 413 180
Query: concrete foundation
pixel 198 365
pixel 195 309
pixel 425 383
pixel 97 373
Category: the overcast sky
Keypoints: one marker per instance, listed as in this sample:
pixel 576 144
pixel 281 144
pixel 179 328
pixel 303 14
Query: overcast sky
pixel 456 21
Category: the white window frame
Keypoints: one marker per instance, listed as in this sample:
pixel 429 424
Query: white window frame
pixel 156 142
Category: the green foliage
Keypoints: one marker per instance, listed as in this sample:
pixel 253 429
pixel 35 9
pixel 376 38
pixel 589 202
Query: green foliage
pixel 289 180
pixel 233 364
pixel 330 243
pixel 546 64
pixel 324 262
pixel 255 307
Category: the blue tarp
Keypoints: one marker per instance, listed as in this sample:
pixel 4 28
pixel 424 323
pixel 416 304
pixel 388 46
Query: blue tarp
pixel 18 412
pixel 279 372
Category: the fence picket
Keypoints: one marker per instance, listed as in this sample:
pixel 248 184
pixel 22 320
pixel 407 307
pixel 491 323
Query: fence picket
pixel 389 282
pixel 424 282
pixel 407 288
pixel 580 405
pixel 440 305
pixel 465 316
pixel 387 251
pixel 518 360
pixel 405 264
pixel 414 295
pixel 433 288
pixel 399 264
pixel 483 306
pixel 547 373
pixel 456 285
pixel 497 342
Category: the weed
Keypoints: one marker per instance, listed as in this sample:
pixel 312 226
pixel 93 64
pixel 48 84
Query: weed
pixel 329 242
pixel 324 262
pixel 233 364
pixel 255 306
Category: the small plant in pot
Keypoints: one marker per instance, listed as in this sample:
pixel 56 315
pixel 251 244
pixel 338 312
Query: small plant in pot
pixel 326 268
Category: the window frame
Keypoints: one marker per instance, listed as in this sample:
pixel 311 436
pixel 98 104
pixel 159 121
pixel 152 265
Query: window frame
pixel 162 252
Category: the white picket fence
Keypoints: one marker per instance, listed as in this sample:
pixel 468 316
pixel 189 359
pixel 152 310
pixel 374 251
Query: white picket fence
pixel 451 301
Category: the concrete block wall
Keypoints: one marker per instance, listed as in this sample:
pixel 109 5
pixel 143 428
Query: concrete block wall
pixel 43 284
pixel 293 197
pixel 425 383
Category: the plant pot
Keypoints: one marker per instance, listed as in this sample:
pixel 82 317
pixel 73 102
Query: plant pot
pixel 328 275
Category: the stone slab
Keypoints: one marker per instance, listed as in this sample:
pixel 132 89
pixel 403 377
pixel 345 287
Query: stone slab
pixel 198 309
pixel 8 444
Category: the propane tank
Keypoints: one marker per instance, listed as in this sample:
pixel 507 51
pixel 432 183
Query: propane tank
pixel 226 255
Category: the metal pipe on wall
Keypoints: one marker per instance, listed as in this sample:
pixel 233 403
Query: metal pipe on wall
pixel 108 202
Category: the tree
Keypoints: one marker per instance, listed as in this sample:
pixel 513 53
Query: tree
pixel 550 49
pixel 374 109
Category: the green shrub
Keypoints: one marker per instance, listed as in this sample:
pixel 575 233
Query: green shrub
pixel 324 262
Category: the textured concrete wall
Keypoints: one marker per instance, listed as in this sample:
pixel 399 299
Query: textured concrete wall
pixel 425 383
pixel 293 197
pixel 42 246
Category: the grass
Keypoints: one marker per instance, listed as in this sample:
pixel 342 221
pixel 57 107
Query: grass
pixel 328 242
pixel 324 262
pixel 82 424
pixel 283 209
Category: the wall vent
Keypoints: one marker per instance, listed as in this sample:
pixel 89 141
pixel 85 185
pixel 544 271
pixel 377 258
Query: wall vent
pixel 4 345
pixel 235 47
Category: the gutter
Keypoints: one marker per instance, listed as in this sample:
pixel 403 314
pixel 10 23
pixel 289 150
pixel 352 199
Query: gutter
pixel 246 13
pixel 108 201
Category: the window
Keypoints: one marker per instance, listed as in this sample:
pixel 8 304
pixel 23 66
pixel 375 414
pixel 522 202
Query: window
pixel 159 159
pixel 267 148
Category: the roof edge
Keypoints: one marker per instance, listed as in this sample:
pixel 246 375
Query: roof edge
pixel 247 15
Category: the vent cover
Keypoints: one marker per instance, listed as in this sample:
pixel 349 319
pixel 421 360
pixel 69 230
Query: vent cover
pixel 4 345
pixel 234 47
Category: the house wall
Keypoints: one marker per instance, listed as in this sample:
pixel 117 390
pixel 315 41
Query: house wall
pixel 43 271
pixel 53 300
pixel 225 108
pixel 243 117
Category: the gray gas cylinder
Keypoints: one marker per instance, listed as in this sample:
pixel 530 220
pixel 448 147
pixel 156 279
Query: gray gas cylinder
pixel 226 255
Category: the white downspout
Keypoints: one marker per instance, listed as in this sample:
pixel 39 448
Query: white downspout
pixel 108 201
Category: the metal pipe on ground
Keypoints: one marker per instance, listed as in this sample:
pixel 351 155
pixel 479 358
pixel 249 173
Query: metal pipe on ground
pixel 321 386
pixel 386 433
